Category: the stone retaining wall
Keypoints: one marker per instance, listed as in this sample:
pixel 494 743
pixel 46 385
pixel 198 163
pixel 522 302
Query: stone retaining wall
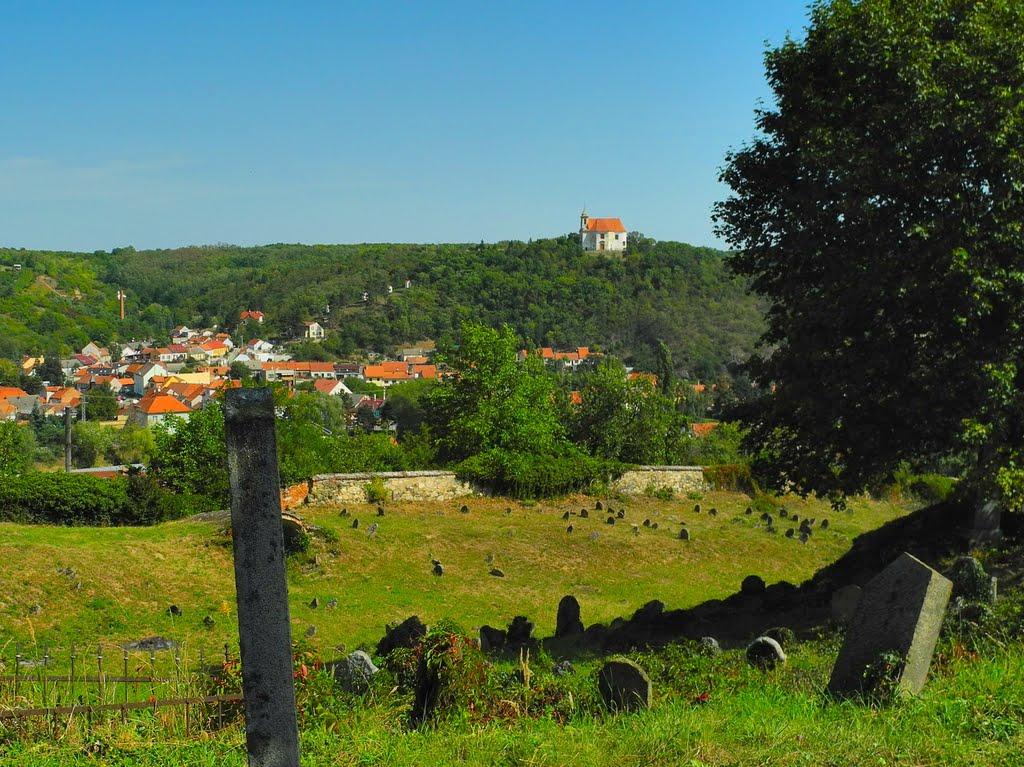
pixel 401 486
pixel 443 486
pixel 679 479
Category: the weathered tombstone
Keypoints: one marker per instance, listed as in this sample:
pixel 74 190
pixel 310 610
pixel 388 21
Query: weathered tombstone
pixel 684 534
pixel 845 601
pixel 355 672
pixel 624 685
pixel 789 533
pixel 565 516
pixel 710 646
pixel 783 513
pixel 749 511
pixel 584 514
pixel 804 537
pixel 438 569
pixel 647 523
pixel 569 529
pixel 654 525
pixel 823 524
pixel 497 573
pixel 491 638
pixel 752 584
pixel 174 611
pixel 598 506
pixel 713 512
pixel 264 626
pixel 372 529
pixel 636 529
pixel 311 632
pixel 696 508
pixel 567 622
pixel 900 613
pixel 355 524
pixel 610 520
pixel 983 525
pixel 380 513
pixel 765 653
pixel 406 634
pixel 208 622
pixel 620 514
pixel 315 603
pixel 520 632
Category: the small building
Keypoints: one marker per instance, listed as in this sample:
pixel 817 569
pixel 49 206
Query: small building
pixel 156 408
pixel 602 233
pixel 312 330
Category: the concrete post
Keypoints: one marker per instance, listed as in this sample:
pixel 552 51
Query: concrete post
pixel 67 439
pixel 264 629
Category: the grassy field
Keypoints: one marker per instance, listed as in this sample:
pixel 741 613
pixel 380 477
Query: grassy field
pixel 126 578
pixel 706 710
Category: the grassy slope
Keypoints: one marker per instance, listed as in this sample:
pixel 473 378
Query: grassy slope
pixel 129 576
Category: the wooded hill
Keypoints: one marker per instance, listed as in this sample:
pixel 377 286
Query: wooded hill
pixel 549 291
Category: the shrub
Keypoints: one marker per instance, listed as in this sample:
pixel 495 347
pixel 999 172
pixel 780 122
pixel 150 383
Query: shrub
pixel 376 491
pixel 661 493
pixel 520 475
pixel 932 488
pixel 733 477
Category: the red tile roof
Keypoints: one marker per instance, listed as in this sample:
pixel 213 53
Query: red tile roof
pixel 605 225
pixel 162 403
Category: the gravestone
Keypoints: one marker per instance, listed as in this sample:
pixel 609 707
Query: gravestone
pixel 405 635
pixel 520 632
pixel 765 653
pixel 684 534
pixel 654 525
pixel 710 646
pixel 567 621
pixel 491 638
pixel 789 533
pixel 752 584
pixel 713 512
pixel 565 516
pixel 620 514
pixel 900 612
pixel 497 573
pixel 647 523
pixel 844 603
pixel 569 529
pixel 584 514
pixel 464 509
pixel 624 685
pixel 315 603
pixel 823 524
pixel 355 672
pixel 610 520
pixel 749 511
pixel 438 569
pixel 983 525
pixel 598 506
pixel 636 529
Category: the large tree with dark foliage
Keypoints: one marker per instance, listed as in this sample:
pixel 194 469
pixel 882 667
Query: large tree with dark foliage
pixel 880 211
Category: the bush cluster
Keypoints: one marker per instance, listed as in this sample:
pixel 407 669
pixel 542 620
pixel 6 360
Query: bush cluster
pixel 526 475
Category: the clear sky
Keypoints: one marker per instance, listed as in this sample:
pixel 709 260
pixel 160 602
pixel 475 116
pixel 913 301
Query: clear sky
pixel 159 124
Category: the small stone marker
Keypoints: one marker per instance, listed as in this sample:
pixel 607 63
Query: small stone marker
pixel 355 672
pixel 380 513
pixel 845 601
pixel 901 612
pixel 208 622
pixel 332 604
pixel 563 668
pixel 713 512
pixel 497 573
pixel 584 514
pixel 438 569
pixel 569 529
pixel 567 622
pixel 824 524
pixel 636 529
pixel 508 511
pixel 565 516
pixel 789 533
pixel 710 646
pixel 315 603
pixel 620 514
pixel 752 584
pixel 372 529
pixel 647 523
pixel 654 525
pixel 464 509
pixel 783 513
pixel 684 534
pixel 624 685
pixel 696 508
pixel 804 537
pixel 749 511
pixel 598 506
pixel 765 653
pixel 355 524
pixel 610 521
pixel 174 611
pixel 311 632
pixel 794 518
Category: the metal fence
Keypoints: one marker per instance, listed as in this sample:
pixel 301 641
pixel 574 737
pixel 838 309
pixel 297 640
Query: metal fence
pixel 172 689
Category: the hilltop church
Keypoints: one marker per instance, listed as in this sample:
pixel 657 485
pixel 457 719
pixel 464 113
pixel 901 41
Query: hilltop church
pixel 602 233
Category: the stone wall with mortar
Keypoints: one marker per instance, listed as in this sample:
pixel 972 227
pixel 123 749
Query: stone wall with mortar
pixel 443 486
pixel 679 479
pixel 401 486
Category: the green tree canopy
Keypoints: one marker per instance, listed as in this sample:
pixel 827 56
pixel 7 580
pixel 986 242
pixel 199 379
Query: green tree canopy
pixel 491 400
pixel 880 212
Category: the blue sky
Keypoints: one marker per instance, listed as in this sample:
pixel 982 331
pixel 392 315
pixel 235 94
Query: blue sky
pixel 166 124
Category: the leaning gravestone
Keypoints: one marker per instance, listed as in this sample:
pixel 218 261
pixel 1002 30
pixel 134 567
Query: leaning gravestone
pixel 900 612
pixel 567 621
pixel 624 685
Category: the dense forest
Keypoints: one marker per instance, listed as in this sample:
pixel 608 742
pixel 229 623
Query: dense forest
pixel 550 292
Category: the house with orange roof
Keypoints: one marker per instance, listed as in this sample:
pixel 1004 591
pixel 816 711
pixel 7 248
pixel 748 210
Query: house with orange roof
pixel 423 371
pixel 251 315
pixel 602 233
pixel 156 408
pixel 97 352
pixel 703 429
pixel 7 412
pixel 387 374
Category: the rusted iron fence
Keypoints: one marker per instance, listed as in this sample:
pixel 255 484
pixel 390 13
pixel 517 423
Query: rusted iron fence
pixel 173 689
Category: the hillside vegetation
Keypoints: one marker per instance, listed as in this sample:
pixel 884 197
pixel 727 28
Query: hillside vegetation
pixel 549 291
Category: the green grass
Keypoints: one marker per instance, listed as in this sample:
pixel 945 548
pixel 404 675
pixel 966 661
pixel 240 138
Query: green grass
pixel 129 576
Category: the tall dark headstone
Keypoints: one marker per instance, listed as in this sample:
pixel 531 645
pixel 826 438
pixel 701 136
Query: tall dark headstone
pixel 567 622
pixel 900 613
pixel 264 627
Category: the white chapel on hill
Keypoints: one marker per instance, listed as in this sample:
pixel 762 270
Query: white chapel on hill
pixel 602 233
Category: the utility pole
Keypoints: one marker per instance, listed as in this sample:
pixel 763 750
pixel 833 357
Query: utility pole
pixel 67 439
